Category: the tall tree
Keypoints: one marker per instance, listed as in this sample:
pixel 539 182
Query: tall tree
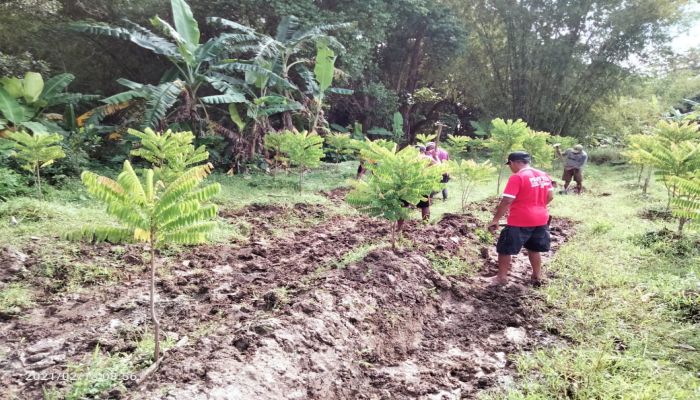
pixel 550 61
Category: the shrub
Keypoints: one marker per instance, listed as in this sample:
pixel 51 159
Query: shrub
pixel 11 184
pixel 605 155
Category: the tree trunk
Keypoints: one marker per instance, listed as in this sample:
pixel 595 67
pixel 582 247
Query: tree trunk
pixel 681 224
pixel 500 176
pixel 38 184
pixel 154 318
pixel 646 181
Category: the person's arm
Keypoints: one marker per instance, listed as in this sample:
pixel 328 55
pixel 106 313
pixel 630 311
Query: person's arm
pixel 509 194
pixel 550 195
pixel 585 159
pixel 501 210
pixel 557 149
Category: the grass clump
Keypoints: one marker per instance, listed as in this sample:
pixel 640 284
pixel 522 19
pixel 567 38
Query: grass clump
pixel 14 298
pixel 451 265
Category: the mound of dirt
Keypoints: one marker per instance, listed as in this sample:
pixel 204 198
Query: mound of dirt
pixel 274 319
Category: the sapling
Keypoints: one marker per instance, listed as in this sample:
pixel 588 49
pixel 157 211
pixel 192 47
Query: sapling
pixel 303 149
pixel 468 173
pixel 153 212
pixel 36 152
pixel 505 137
pixel 397 180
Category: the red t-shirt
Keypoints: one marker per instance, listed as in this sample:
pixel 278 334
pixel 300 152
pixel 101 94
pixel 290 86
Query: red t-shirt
pixel 529 188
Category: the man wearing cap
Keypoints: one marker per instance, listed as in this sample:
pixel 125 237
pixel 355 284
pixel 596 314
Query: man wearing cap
pixel 441 156
pixel 525 199
pixel 574 160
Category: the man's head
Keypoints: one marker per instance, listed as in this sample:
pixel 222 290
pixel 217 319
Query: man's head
pixel 518 160
pixel 578 148
pixel 430 146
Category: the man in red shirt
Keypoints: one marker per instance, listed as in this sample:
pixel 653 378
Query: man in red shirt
pixel 525 199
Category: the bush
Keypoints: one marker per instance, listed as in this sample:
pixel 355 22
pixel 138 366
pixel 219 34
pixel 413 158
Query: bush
pixel 27 209
pixel 605 155
pixel 12 184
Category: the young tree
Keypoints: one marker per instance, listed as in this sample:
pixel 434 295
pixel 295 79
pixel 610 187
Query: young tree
pixel 398 179
pixel 424 139
pixel 458 146
pixel 536 143
pixel 170 153
pixel 505 136
pixel 36 152
pixel 686 204
pixel 153 213
pixel 303 149
pixel 341 145
pixel 468 173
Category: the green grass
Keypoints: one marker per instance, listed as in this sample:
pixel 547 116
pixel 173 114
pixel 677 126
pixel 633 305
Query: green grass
pixel 452 266
pixel 14 298
pixel 626 307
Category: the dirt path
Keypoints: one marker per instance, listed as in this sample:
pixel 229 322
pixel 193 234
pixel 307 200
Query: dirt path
pixel 274 319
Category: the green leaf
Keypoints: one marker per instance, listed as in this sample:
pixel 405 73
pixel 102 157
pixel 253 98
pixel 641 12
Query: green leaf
pixel 11 109
pixel 225 98
pixel 12 85
pixel 236 117
pixel 185 24
pixel 32 86
pixel 35 127
pixel 325 65
pixel 56 85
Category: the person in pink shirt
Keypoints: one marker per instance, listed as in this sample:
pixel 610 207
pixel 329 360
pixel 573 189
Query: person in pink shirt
pixel 525 199
pixel 441 156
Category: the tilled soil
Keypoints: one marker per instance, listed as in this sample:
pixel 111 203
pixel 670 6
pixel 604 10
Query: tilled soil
pixel 275 319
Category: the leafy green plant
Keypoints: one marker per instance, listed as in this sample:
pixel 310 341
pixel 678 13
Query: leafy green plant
pixel 686 203
pixel 468 173
pixel 341 146
pixel 303 149
pixel 170 153
pixel 423 139
pixel 11 184
pixel 397 180
pixel 194 66
pixel 536 143
pixel 457 146
pixel 153 213
pixel 505 137
pixel 24 100
pixel 36 152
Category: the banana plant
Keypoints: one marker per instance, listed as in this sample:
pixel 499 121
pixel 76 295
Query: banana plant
pixel 193 64
pixel 318 85
pixel 23 102
pixel 285 51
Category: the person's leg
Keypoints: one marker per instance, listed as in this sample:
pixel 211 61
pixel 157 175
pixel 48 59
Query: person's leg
pixel 536 262
pixel 578 177
pixel 445 179
pixel 567 179
pixel 425 213
pixel 509 243
pixel 504 261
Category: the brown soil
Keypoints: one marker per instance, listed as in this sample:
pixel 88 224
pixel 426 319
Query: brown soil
pixel 271 319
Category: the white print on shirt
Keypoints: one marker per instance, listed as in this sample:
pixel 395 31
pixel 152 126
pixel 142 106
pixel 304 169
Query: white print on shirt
pixel 539 181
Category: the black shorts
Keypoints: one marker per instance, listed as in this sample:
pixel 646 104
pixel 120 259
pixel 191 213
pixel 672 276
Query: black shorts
pixel 425 203
pixel 445 178
pixel 514 238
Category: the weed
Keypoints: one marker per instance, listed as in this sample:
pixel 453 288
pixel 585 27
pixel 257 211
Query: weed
pixel 26 209
pixel 97 374
pixel 143 355
pixel 602 227
pixel 451 266
pixel 14 298
pixel 357 254
pixel 484 235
